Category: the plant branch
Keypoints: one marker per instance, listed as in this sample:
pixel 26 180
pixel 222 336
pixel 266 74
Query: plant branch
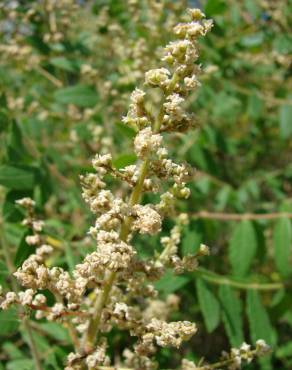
pixel 222 280
pixel 240 216
pixel 32 344
pixel 55 81
pixel 102 299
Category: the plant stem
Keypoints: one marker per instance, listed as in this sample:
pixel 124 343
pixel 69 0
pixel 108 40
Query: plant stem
pixel 240 216
pixel 102 299
pixel 100 303
pixel 229 361
pixel 31 343
pixel 71 329
pixel 222 280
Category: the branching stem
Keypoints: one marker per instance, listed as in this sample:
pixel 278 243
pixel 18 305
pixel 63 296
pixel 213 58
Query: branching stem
pixel 102 299
pixel 222 280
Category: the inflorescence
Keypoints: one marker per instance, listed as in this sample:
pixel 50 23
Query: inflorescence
pixel 102 291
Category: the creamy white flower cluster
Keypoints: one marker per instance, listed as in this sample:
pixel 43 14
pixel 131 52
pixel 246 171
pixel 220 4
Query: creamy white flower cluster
pixel 233 360
pixel 112 253
pixel 117 220
pixel 35 275
pixel 165 334
pixel 112 286
pixel 137 115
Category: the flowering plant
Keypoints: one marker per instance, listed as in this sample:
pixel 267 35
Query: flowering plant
pixel 113 286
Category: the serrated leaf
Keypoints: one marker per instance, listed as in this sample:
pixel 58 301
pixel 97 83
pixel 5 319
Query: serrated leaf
pixel 80 95
pixel 209 305
pixel 242 247
pixel 259 321
pixel 282 246
pixel 231 315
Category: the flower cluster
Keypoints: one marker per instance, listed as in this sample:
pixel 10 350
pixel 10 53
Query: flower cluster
pixel 234 359
pixel 113 286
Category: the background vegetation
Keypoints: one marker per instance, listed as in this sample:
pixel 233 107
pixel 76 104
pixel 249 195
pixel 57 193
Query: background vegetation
pixel 66 71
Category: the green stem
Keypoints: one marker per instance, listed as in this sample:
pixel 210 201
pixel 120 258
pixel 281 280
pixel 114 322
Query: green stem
pixel 32 344
pixel 71 329
pixel 221 280
pixel 102 299
pixel 100 303
pixel 230 361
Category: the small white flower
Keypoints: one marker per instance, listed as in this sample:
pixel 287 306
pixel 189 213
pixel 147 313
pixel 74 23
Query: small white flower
pixel 157 77
pixel 147 143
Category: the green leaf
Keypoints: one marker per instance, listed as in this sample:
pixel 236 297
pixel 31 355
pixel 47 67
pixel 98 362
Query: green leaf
pixel 259 321
pixel 17 177
pixel 13 232
pixel 124 130
pixel 285 121
pixel 231 315
pixel 282 43
pixel 12 350
pixel 170 283
pixel 285 350
pixel 23 364
pixel 10 210
pixel 41 341
pixel 255 106
pixel 3 272
pixel 80 95
pixel 9 321
pixel 242 247
pixel 16 151
pixel 209 305
pixel 23 251
pixel 63 63
pixel 124 160
pixel 55 331
pixel 222 197
pixel 282 246
pixel 214 7
pixel 55 358
pixel 191 242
